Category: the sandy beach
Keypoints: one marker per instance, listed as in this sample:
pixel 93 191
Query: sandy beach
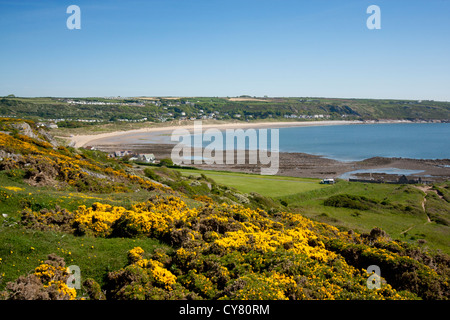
pixel 85 140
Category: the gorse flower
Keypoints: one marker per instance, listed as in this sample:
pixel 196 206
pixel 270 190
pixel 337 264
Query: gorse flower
pixel 135 254
pixel 161 276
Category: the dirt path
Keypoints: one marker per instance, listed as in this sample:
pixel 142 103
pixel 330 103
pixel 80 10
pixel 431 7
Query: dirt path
pixel 429 188
pixel 426 189
pixel 423 207
pixel 407 230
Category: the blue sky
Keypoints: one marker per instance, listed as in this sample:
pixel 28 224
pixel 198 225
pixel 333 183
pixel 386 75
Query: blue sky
pixel 226 48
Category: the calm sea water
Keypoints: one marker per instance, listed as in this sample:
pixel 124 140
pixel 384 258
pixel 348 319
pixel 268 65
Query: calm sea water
pixel 359 142
pixel 347 142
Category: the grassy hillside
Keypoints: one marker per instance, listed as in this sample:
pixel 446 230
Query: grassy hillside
pixel 107 111
pixel 270 186
pixel 155 233
pixel 397 209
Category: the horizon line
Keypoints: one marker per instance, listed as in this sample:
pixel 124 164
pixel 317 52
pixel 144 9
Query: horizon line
pixel 223 97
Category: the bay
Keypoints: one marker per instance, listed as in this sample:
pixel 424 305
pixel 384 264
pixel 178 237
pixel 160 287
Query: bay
pixel 359 142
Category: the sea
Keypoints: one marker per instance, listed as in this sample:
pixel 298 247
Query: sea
pixel 362 141
pixel 350 142
pixel 357 142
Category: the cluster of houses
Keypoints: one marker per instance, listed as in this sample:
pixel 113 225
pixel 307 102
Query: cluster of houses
pixel 50 125
pixel 198 116
pixel 401 180
pixel 102 103
pixel 144 157
pixel 305 116
pixel 55 121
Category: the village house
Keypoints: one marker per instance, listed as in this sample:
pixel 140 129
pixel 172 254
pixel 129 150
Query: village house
pixel 147 157
pixel 122 153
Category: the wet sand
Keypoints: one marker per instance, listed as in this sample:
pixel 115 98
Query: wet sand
pixel 307 165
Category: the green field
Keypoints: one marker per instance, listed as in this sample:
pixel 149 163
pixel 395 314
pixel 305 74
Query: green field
pixel 270 186
pixel 398 212
pixel 402 216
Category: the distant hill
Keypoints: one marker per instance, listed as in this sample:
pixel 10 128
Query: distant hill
pixel 75 112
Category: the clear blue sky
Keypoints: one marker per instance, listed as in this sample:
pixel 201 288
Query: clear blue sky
pixel 226 48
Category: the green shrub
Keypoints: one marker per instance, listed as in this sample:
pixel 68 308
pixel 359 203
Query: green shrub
pixel 166 162
pixel 351 202
pixel 150 173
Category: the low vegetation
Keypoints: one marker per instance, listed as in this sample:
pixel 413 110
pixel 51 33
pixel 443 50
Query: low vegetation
pixel 158 233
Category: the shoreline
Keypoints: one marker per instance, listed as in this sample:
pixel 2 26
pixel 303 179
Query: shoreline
pixel 294 164
pixel 79 141
pixel 305 165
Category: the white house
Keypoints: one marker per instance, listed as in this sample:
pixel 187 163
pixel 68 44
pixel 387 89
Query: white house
pixel 51 125
pixel 123 153
pixel 147 157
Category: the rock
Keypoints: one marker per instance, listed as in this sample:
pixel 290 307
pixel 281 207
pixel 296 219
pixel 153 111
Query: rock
pixel 4 155
pixel 47 136
pixel 25 129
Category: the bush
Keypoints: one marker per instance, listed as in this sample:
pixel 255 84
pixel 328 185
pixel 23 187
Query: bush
pixel 150 173
pixel 166 162
pixel 93 289
pixel 47 282
pixel 349 201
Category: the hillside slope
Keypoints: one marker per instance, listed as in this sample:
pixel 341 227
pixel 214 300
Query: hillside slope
pixel 100 110
pixel 188 238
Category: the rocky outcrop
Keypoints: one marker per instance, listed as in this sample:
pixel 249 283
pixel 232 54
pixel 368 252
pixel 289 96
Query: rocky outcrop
pixel 25 129
pixel 47 136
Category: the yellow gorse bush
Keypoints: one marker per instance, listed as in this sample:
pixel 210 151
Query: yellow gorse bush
pixel 135 254
pixel 98 218
pixel 62 288
pixel 71 169
pixel 47 272
pixel 151 218
pixel 155 269
pixel 51 275
pixel 254 232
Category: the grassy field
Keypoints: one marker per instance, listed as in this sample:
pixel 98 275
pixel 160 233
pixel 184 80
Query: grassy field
pixel 398 210
pixel 271 186
pixel 23 249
